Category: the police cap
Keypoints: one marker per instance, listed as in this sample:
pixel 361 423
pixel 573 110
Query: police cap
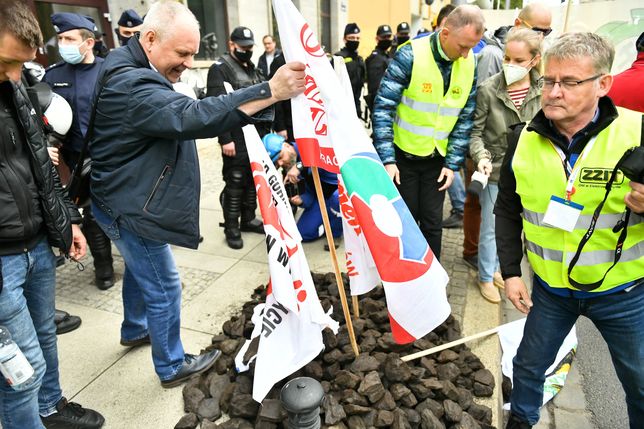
pixel 403 27
pixel 65 21
pixel 383 30
pixel 351 28
pixel 242 36
pixel 129 18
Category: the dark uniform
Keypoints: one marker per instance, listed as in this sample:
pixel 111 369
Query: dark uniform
pixel 129 19
pixel 75 83
pixel 376 64
pixel 355 65
pixel 402 36
pixel 238 198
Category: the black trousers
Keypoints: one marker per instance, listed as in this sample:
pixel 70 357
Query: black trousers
pixel 419 189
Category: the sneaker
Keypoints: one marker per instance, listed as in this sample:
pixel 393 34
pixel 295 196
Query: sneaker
pixel 192 365
pixel 455 220
pixel 498 280
pixel 472 261
pixel 65 322
pixel 136 343
pixel 72 415
pixel 489 292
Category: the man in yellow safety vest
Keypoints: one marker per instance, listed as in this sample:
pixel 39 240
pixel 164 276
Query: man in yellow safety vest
pixel 583 224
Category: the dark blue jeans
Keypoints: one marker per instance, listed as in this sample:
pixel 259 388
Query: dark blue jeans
pixel 27 310
pixel 151 294
pixel 619 317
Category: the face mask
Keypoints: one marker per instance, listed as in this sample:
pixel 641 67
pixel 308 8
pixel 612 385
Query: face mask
pixel 514 73
pixel 243 56
pixel 71 53
pixel 402 39
pixel 383 45
pixel 352 45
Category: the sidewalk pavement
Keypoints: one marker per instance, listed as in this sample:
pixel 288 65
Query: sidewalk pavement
pixel 99 373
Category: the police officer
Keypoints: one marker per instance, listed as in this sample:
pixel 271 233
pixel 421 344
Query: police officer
pixel 74 79
pixel 129 23
pixel 402 35
pixel 377 63
pixel 355 63
pixel 238 198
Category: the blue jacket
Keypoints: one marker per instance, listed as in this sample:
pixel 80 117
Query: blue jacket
pixel 395 81
pixel 145 169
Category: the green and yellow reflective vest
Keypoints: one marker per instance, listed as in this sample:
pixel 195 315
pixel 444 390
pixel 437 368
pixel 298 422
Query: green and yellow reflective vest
pixel 540 174
pixel 425 117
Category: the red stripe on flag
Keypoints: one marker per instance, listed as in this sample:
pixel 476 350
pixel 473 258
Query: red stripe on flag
pixel 401 336
pixel 314 155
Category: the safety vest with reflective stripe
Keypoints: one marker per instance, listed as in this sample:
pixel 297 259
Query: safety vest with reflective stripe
pixel 425 117
pixel 540 174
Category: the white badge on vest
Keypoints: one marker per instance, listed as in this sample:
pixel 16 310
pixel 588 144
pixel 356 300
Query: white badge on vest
pixel 562 213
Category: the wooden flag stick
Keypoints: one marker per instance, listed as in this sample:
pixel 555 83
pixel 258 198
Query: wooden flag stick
pixel 451 344
pixel 334 259
pixel 356 309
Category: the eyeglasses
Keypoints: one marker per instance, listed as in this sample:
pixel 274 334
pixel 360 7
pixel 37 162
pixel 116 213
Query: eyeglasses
pixel 567 84
pixel 544 31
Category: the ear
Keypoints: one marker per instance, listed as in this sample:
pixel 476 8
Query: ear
pixel 148 39
pixel 91 42
pixel 517 23
pixel 605 82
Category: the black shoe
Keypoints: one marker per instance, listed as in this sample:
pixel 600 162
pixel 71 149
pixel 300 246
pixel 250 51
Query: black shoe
pixel 516 423
pixel 472 261
pixel 137 342
pixel 455 220
pixel 192 365
pixel 254 225
pixel 233 238
pixel 72 415
pixel 104 283
pixel 65 322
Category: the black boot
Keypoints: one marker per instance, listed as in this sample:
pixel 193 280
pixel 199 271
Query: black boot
pixel 231 204
pixel 516 423
pixel 101 249
pixel 249 223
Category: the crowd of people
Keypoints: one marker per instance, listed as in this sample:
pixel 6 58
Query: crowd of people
pixel 537 132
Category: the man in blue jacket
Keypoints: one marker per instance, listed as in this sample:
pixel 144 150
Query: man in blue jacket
pixel 423 115
pixel 145 173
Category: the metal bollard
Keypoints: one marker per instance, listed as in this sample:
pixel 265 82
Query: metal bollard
pixel 301 398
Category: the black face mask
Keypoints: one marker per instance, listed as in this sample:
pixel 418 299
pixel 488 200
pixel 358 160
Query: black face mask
pixel 402 39
pixel 243 56
pixel 352 45
pixel 122 40
pixel 383 45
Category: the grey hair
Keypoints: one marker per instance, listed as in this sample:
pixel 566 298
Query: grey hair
pixel 466 15
pixel 573 46
pixel 163 15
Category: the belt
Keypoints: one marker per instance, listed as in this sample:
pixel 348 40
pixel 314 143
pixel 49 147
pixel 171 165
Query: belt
pixel 407 155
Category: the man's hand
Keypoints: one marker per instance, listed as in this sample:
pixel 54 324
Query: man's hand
pixel 635 198
pixel 79 244
pixel 288 81
pixel 53 154
pixel 448 175
pixel 296 200
pixel 292 175
pixel 394 174
pixel 517 292
pixel 485 166
pixel 228 149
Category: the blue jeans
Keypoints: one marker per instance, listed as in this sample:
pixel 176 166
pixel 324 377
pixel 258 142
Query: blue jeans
pixel 488 258
pixel 27 304
pixel 620 320
pixel 456 192
pixel 151 294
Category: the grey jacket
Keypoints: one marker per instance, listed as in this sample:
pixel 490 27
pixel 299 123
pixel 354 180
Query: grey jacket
pixel 494 114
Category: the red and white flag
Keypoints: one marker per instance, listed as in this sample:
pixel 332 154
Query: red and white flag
pixel 414 281
pixel 289 325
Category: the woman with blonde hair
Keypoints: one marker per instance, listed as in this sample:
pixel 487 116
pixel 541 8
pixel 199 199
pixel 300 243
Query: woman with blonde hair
pixel 507 98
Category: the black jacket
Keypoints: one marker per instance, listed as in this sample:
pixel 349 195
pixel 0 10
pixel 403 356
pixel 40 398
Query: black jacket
pixel 508 206
pixel 263 67
pixel 145 169
pixel 57 211
pixel 356 71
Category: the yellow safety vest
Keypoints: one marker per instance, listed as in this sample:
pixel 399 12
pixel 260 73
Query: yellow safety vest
pixel 425 117
pixel 540 174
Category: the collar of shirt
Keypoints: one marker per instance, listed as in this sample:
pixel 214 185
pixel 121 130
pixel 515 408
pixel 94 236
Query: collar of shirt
pixel 153 68
pixel 440 48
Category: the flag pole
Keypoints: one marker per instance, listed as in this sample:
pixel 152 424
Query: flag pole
pixel 451 344
pixel 334 259
pixel 354 302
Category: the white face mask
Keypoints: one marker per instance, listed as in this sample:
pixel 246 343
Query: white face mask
pixel 514 73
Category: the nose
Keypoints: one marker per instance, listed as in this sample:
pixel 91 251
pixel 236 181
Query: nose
pixel 189 62
pixel 556 90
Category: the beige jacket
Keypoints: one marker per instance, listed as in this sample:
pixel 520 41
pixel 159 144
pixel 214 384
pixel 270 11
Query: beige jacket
pixel 494 114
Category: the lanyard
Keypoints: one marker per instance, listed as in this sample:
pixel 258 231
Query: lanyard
pixel 571 172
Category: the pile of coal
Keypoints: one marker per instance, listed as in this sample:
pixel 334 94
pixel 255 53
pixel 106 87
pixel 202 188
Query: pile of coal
pixel 374 390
